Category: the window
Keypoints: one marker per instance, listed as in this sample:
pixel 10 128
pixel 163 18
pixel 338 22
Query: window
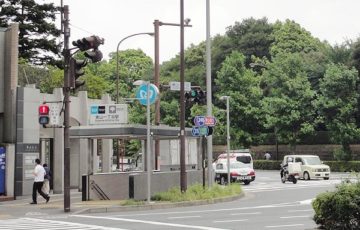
pixel 244 159
pixel 219 166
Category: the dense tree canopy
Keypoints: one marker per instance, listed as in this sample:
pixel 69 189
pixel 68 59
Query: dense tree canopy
pixel 37 31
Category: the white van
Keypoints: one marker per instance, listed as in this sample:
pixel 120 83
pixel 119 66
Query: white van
pixel 241 167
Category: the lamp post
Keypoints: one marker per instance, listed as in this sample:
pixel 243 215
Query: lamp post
pixel 227 135
pixel 148 147
pixel 117 81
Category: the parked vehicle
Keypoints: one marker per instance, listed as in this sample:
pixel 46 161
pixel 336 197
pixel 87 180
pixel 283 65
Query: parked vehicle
pixel 241 167
pixel 311 166
pixel 290 171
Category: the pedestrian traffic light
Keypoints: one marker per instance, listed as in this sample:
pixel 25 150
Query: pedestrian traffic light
pixel 44 118
pixel 76 71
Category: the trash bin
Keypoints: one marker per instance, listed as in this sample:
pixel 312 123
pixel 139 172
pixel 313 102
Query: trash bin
pixel 2 170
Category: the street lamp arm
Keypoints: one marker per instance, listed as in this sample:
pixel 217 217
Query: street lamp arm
pixel 117 60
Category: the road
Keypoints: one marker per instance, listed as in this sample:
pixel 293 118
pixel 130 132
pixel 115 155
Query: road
pixel 268 204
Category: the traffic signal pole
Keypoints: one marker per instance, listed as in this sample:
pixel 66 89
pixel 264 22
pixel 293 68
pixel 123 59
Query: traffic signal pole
pixel 66 91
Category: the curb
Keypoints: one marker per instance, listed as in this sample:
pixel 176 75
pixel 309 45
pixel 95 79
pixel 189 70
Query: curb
pixel 159 205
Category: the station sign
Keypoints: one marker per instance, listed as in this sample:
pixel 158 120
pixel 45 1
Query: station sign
pixel 102 114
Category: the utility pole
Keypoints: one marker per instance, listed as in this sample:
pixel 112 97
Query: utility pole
pixel 66 91
pixel 157 24
pixel 156 82
pixel 183 182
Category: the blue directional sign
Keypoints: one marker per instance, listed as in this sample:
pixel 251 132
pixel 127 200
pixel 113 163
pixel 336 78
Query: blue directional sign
pixel 200 131
pixel 141 94
pixel 199 121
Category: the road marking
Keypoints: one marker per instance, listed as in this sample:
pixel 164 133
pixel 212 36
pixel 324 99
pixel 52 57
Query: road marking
pixel 183 217
pixel 301 210
pixel 229 221
pixel 150 222
pixel 34 223
pixel 245 213
pixel 280 205
pixel 290 217
pixel 284 226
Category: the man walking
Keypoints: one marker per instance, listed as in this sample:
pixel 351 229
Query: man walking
pixel 39 173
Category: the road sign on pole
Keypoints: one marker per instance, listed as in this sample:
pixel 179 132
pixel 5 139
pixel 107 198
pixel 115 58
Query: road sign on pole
pixel 175 86
pixel 142 92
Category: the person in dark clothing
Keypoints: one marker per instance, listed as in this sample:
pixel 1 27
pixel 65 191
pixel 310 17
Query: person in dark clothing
pixel 39 173
pixel 47 178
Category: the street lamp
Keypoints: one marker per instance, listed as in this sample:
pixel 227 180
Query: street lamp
pixel 117 81
pixel 228 135
pixel 117 60
pixel 148 148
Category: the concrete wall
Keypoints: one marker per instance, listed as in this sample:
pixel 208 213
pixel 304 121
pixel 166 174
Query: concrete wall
pixel 10 83
pixel 116 185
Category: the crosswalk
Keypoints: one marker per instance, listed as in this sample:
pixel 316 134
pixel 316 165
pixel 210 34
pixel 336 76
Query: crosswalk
pixel 273 186
pixel 43 224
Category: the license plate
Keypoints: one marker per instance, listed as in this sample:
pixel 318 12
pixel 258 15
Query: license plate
pixel 244 178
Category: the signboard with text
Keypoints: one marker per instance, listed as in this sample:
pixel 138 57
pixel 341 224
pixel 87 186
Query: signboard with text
pixel 108 114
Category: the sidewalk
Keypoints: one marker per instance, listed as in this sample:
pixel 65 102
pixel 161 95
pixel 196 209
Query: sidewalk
pixel 21 207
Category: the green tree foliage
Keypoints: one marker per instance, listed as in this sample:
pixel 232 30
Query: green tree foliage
pixel 252 37
pixel 337 105
pixel 288 107
pixel 290 37
pixel 37 31
pixel 133 65
pixel 242 85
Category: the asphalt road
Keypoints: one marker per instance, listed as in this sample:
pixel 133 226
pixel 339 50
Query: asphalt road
pixel 268 204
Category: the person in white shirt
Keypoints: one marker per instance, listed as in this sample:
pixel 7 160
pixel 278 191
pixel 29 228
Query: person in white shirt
pixel 39 173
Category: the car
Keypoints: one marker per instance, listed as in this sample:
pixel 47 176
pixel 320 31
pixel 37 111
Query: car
pixel 239 172
pixel 311 166
pixel 241 167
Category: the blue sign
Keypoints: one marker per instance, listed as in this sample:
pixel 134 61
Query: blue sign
pixel 199 121
pixel 94 110
pixel 200 131
pixel 141 94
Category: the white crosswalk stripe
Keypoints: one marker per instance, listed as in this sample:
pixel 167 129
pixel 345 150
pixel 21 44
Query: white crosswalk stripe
pixel 41 224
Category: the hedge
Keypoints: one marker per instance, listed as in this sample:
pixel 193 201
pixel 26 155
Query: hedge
pixel 335 166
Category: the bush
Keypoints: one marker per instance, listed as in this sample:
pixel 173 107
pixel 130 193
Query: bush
pixel 267 164
pixel 197 192
pixel 339 209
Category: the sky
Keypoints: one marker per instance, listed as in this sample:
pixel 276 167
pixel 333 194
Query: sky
pixel 331 20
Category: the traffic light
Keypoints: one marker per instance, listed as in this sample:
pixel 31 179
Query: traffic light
pixel 196 96
pixel 76 71
pixel 44 118
pixel 92 42
pixel 88 43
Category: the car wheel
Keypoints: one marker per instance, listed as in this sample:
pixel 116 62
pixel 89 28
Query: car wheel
pixel 306 176
pixel 326 178
pixel 222 180
pixel 294 180
pixel 246 182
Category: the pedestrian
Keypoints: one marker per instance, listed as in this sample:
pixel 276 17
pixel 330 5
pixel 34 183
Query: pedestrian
pixel 39 173
pixel 267 156
pixel 47 178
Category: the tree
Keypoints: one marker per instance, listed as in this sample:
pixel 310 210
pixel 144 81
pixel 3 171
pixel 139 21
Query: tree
pixel 252 37
pixel 242 85
pixel 337 105
pixel 290 37
pixel 37 31
pixel 288 107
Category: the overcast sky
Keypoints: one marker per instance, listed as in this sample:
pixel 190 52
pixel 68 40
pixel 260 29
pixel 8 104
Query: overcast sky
pixel 331 20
